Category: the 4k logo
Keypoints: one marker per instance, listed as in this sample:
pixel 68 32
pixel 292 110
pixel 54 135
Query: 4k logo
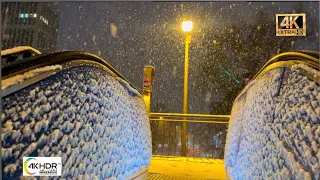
pixel 291 25
pixel 42 166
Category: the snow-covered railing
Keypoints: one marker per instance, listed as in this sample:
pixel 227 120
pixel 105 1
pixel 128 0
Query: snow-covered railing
pixel 16 54
pixel 82 112
pixel 206 134
pixel 274 130
pixel 66 59
pixel 19 49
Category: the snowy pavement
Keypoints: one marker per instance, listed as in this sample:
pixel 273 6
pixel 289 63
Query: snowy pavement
pixel 187 168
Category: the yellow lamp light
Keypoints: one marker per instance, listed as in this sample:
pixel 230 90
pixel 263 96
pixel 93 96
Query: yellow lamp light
pixel 187 26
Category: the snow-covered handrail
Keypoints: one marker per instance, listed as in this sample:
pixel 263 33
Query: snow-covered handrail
pixel 303 56
pixel 288 59
pixel 60 58
pixel 19 49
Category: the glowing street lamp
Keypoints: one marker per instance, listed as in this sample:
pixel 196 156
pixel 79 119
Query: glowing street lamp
pixel 187 28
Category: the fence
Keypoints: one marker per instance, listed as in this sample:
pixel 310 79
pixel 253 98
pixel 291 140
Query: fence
pixel 206 134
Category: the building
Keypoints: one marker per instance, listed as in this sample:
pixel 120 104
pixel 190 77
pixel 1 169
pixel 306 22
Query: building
pixel 29 24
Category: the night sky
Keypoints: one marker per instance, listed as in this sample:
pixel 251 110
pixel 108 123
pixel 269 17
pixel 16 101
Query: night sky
pixel 149 33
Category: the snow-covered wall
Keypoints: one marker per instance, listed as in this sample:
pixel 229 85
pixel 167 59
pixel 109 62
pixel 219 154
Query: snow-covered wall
pixel 274 132
pixel 96 123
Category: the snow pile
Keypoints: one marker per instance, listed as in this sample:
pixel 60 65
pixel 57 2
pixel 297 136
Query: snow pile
pixel 83 115
pixel 274 132
pixel 21 77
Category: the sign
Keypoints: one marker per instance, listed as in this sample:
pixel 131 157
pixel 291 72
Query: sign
pixel 147 82
pixel 42 166
pixel 148 75
pixel 291 25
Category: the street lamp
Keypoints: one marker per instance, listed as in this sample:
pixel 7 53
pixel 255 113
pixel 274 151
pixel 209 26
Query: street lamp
pixel 187 28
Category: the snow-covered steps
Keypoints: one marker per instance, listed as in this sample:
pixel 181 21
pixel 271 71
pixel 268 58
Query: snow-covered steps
pixel 96 123
pixel 156 176
pixel 188 168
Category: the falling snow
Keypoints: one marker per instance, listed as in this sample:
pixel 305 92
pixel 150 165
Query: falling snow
pixel 141 33
pixel 230 42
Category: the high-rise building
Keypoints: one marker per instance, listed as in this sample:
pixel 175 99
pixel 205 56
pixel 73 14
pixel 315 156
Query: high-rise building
pixel 32 24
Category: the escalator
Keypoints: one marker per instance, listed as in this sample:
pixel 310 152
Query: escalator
pixel 274 130
pixel 76 106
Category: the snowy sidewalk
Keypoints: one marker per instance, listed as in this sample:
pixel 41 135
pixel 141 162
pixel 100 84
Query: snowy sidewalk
pixel 170 167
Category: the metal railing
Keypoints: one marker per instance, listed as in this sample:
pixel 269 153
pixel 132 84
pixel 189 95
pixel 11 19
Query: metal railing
pixel 206 134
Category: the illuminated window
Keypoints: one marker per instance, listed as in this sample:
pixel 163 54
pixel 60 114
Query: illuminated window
pixel 34 15
pixel 26 15
pixel 21 16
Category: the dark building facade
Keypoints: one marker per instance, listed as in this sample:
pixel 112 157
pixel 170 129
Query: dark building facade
pixel 29 24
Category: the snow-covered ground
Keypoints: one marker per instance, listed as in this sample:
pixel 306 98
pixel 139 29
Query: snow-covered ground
pixel 182 167
pixel 274 132
pixel 98 125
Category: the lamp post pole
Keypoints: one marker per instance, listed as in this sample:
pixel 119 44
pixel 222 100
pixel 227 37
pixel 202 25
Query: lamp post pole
pixel 184 139
pixel 187 28
pixel 185 94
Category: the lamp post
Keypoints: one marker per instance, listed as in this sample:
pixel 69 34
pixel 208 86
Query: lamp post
pixel 187 28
